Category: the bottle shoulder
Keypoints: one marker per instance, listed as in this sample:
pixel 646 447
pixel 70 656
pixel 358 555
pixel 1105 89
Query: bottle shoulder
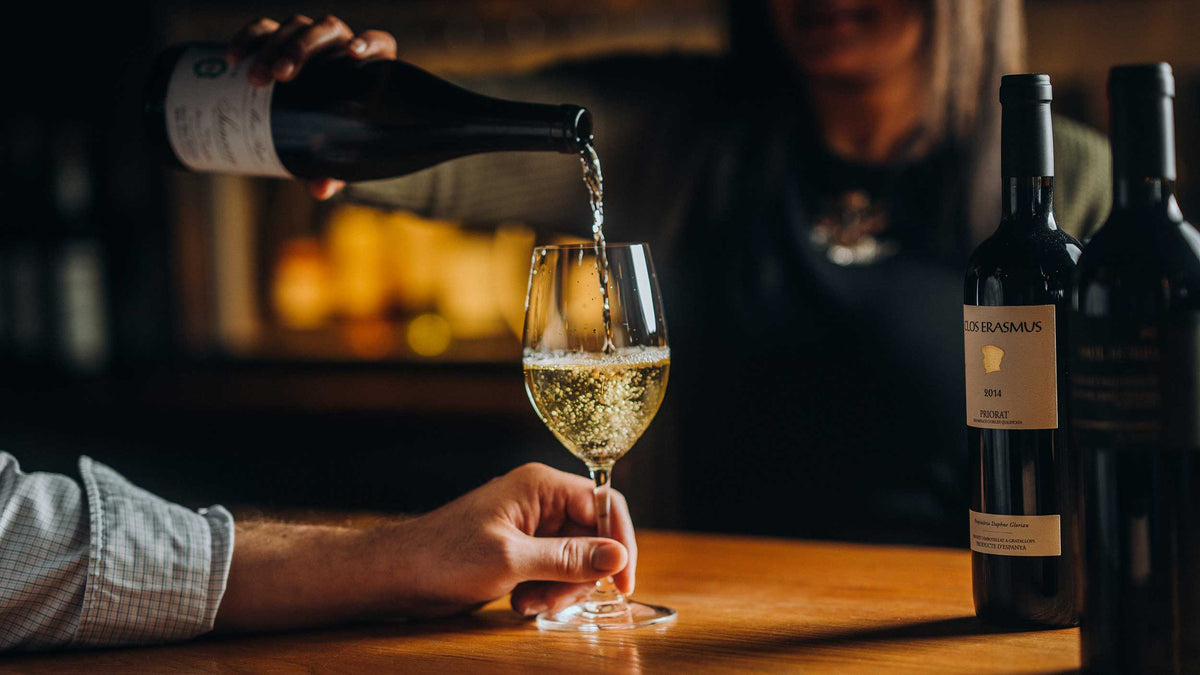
pixel 1152 246
pixel 1134 238
pixel 1019 266
pixel 1014 247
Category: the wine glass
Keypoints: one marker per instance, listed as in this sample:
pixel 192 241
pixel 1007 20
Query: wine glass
pixel 596 386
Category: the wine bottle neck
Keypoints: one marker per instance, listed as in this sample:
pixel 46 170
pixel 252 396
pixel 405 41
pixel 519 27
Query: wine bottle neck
pixel 1143 194
pixel 534 126
pixel 492 123
pixel 1143 135
pixel 1142 118
pixel 1026 151
pixel 1029 201
pixel 499 125
pixel 1027 142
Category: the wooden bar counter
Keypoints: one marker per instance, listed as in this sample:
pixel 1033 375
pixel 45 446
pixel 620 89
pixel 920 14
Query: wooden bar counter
pixel 745 605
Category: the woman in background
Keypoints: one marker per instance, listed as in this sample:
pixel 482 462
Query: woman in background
pixel 838 220
pixel 812 197
pixel 857 187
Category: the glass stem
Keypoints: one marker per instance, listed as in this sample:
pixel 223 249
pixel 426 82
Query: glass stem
pixel 605 598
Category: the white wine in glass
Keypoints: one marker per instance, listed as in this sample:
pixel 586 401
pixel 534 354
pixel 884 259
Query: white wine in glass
pixel 596 386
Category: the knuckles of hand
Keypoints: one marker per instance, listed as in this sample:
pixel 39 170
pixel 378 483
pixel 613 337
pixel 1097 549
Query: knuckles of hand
pixel 533 471
pixel 574 558
pixel 332 22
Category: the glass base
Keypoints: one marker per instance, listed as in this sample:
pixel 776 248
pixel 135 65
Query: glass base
pixel 589 616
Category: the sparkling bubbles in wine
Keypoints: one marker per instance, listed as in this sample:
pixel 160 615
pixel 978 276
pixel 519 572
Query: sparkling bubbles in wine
pixel 598 405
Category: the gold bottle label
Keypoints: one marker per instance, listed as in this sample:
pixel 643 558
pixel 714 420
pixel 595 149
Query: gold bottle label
pixel 1011 367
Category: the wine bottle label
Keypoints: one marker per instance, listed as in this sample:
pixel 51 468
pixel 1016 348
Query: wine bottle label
pixel 1016 535
pixel 1012 369
pixel 1134 383
pixel 216 120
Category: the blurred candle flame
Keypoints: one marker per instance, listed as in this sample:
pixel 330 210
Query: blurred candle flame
pixel 355 244
pixel 301 293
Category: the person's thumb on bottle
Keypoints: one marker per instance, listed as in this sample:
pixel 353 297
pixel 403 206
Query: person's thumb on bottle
pixel 573 559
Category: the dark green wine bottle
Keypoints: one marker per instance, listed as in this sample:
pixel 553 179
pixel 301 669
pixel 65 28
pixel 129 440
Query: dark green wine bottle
pixel 1136 398
pixel 338 119
pixel 1023 528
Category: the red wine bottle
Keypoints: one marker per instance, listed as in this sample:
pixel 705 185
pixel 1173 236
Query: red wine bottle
pixel 1136 400
pixel 1017 294
pixel 339 118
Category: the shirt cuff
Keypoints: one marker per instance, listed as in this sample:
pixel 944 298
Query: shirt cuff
pixel 156 570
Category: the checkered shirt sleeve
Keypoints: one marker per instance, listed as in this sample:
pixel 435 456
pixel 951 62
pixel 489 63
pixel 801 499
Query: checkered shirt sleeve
pixel 104 563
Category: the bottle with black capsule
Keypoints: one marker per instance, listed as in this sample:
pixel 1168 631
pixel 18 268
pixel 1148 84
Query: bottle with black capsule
pixel 339 118
pixel 1136 398
pixel 1023 494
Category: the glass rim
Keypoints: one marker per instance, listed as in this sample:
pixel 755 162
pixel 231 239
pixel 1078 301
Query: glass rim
pixel 590 246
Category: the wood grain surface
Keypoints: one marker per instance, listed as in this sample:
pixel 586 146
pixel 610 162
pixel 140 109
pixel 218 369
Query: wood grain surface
pixel 745 605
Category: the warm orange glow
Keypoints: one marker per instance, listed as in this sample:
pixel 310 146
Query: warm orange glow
pixel 439 281
pixel 414 250
pixel 429 335
pixel 370 338
pixel 585 311
pixel 465 295
pixel 511 251
pixel 301 294
pixel 356 252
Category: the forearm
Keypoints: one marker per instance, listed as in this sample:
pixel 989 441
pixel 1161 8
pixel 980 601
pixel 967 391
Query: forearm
pixel 290 576
pixel 527 530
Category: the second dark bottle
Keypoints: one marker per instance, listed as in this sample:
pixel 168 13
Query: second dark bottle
pixel 1023 528
pixel 1136 398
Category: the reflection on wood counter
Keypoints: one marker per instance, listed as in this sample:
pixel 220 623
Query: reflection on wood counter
pixel 745 605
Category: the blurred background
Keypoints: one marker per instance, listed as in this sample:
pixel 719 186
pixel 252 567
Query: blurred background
pixel 220 339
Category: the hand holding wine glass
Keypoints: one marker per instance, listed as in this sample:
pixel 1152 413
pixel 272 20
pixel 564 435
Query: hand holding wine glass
pixel 596 383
